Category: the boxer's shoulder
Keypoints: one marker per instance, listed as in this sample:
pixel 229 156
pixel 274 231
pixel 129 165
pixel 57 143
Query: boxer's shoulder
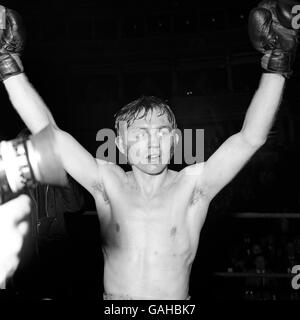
pixel 195 170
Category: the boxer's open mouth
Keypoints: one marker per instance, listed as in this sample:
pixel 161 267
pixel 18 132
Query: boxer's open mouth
pixel 154 157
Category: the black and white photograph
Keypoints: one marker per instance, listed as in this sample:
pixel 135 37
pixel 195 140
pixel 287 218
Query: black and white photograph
pixel 149 151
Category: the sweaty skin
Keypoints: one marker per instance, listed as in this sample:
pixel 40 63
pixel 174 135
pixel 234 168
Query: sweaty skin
pixel 151 217
pixel 150 222
pixel 149 243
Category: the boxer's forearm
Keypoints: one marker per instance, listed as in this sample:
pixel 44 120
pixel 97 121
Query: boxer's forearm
pixel 263 108
pixel 28 103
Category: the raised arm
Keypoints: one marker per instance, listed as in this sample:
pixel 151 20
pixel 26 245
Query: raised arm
pixel 271 33
pixel 236 151
pixel 78 162
pixel 28 103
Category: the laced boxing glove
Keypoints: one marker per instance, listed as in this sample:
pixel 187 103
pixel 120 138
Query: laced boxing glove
pixel 12 41
pixel 271 32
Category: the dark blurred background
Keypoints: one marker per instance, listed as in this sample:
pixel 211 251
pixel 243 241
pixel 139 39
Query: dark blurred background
pixel 89 59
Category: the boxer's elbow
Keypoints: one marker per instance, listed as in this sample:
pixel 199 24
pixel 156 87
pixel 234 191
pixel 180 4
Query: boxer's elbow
pixel 61 136
pixel 254 140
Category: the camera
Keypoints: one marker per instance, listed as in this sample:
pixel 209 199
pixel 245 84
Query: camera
pixel 28 161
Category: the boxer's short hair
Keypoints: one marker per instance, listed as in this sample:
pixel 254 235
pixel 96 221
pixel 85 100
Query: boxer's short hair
pixel 139 108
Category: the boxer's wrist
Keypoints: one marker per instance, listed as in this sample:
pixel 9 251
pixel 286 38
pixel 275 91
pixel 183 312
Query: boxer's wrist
pixel 278 62
pixel 10 65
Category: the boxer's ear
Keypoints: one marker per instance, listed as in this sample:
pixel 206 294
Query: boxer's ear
pixel 120 143
pixel 175 136
pixel 121 139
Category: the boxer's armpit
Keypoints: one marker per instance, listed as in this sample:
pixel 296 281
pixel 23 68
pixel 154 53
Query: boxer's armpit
pixel 197 195
pixel 100 190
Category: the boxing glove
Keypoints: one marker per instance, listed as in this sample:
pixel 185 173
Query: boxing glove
pixel 271 32
pixel 12 41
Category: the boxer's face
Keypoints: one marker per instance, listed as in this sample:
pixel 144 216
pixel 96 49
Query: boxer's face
pixel 149 142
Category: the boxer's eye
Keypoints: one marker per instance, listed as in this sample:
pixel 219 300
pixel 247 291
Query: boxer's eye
pixel 141 134
pixel 164 132
pixel 137 134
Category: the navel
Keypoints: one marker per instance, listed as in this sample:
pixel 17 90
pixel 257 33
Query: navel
pixel 117 226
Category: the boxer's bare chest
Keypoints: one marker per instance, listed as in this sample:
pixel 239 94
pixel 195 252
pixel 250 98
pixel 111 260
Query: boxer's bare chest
pixel 172 217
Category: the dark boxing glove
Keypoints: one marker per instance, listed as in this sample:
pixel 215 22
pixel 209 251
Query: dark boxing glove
pixel 271 32
pixel 12 41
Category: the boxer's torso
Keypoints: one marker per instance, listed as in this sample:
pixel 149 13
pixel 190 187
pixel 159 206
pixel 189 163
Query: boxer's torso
pixel 149 243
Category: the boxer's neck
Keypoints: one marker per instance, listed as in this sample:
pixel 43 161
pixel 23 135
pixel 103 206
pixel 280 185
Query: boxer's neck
pixel 148 184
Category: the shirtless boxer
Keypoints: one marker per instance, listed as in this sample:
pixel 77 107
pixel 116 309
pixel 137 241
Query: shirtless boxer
pixel 151 217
